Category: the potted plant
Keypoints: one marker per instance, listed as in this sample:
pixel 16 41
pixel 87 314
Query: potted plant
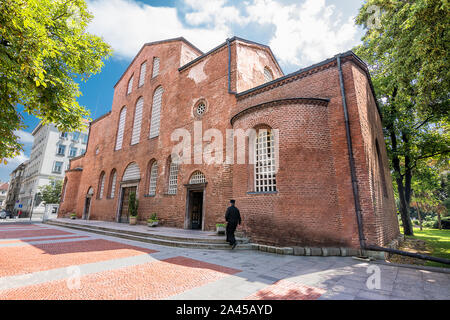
pixel 133 204
pixel 153 221
pixel 73 215
pixel 220 228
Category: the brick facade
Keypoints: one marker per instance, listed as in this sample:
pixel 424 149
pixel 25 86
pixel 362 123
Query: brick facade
pixel 313 204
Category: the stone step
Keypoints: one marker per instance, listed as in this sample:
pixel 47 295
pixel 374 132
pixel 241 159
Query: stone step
pixel 144 237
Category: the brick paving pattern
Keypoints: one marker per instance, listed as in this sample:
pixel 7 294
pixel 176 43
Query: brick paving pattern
pixel 287 290
pixel 36 262
pixel 41 257
pixel 155 280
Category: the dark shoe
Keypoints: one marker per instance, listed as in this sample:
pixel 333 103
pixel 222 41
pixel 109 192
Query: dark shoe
pixel 234 246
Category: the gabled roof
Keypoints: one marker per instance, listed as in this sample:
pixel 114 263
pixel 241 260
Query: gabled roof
pixel 155 43
pixel 224 44
pixel 4 186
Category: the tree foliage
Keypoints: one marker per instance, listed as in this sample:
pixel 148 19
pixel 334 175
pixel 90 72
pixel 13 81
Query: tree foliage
pixel 51 193
pixel 407 53
pixel 44 49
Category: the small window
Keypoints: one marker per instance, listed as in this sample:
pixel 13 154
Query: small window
pixel 197 177
pixel 153 179
pixel 57 167
pixel 155 67
pixel 130 85
pixel 73 152
pixel 75 136
pixel 61 150
pixel 268 74
pixel 173 177
pixel 142 74
pixel 200 109
pixel 64 135
pixel 84 138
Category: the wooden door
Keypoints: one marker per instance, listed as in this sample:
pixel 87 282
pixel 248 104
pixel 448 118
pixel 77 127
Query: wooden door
pixel 124 210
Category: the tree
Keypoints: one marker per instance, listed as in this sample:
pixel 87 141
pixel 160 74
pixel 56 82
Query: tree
pixel 51 193
pixel 44 47
pixel 407 53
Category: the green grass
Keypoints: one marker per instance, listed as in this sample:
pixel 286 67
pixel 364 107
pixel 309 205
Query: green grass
pixel 438 241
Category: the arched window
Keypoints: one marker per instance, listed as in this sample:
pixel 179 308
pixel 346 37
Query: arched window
pixel 137 121
pixel 156 112
pixel 112 183
pixel 267 75
pixel 142 74
pixel 130 85
pixel 265 166
pixel 173 177
pixel 101 185
pixel 197 177
pixel 155 67
pixel 121 129
pixel 132 172
pixel 153 179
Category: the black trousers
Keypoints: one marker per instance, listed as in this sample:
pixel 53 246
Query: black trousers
pixel 231 228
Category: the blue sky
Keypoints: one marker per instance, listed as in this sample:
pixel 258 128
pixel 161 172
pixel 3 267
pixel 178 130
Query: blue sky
pixel 299 32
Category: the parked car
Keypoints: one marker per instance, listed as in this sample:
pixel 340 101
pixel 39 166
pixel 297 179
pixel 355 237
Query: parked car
pixel 5 214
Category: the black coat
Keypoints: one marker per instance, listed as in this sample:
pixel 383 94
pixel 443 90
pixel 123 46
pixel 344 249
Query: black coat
pixel 233 215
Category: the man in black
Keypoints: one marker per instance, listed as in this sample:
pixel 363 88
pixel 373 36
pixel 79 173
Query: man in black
pixel 233 218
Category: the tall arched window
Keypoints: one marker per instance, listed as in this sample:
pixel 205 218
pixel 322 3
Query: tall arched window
pixel 130 85
pixel 121 128
pixel 265 166
pixel 155 67
pixel 112 183
pixel 153 178
pixel 268 74
pixel 101 185
pixel 142 74
pixel 156 112
pixel 137 121
pixel 173 177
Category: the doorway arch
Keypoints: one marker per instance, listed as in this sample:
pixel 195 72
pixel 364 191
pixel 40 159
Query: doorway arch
pixel 87 203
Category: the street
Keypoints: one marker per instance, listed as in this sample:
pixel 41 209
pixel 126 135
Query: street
pixel 39 261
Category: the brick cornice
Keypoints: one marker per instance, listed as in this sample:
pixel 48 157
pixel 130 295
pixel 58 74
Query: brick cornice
pixel 274 103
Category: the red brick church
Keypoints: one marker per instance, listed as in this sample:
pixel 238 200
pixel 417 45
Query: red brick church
pixel 329 166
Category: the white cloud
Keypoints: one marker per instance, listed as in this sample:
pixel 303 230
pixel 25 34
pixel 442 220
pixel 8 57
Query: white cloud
pixel 304 33
pixel 24 137
pixel 127 25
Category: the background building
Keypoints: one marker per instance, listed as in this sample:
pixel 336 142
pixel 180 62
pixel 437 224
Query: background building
pixel 3 194
pixel 48 161
pixel 15 182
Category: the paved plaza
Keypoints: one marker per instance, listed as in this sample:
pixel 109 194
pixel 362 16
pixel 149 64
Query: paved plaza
pixel 40 261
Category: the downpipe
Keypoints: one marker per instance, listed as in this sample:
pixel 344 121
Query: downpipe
pixel 362 240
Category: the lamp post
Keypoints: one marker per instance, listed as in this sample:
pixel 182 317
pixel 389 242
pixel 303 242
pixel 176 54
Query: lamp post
pixel 32 205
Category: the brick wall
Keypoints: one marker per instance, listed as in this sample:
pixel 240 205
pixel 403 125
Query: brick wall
pixel 314 204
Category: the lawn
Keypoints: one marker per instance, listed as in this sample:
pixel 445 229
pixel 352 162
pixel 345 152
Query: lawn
pixel 437 241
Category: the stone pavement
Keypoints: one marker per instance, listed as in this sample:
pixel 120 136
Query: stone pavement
pixel 39 261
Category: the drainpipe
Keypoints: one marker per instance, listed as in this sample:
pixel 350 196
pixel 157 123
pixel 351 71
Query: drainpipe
pixel 351 159
pixel 356 197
